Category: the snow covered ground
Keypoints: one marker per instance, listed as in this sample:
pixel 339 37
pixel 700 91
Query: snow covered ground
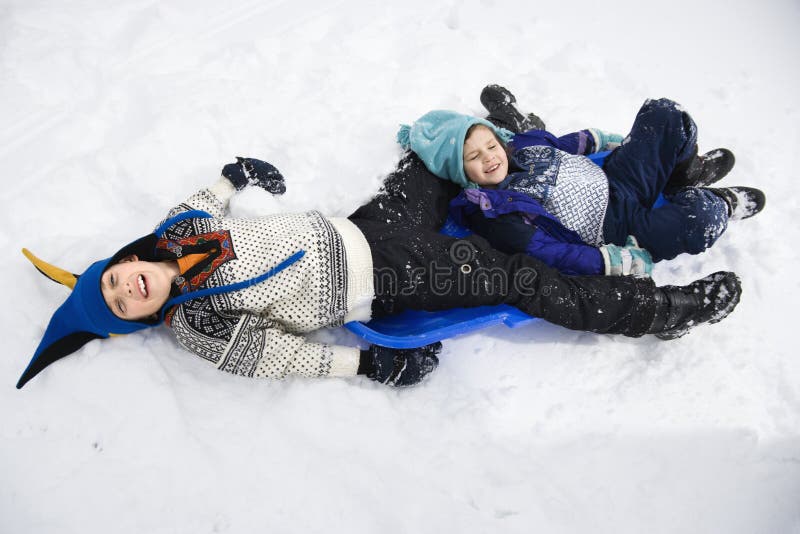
pixel 112 111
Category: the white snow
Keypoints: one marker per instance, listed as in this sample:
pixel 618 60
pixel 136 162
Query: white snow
pixel 112 111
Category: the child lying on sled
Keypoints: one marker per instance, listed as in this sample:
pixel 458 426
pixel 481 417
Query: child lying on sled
pixel 242 292
pixel 535 193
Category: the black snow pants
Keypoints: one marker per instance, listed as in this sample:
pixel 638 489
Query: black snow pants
pixel 417 267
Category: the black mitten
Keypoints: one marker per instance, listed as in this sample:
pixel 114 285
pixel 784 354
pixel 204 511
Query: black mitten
pixel 249 171
pixel 399 367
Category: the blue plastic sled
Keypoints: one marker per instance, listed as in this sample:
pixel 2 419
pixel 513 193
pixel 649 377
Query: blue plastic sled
pixel 412 329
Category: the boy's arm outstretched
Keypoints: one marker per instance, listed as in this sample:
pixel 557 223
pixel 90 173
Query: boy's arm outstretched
pixel 583 142
pixel 255 346
pixel 215 199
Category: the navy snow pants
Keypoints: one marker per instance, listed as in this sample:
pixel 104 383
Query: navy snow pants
pixel 662 136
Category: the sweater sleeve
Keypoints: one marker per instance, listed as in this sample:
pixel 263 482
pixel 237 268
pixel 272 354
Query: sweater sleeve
pixel 255 346
pixel 214 200
pixel 578 143
pixel 569 258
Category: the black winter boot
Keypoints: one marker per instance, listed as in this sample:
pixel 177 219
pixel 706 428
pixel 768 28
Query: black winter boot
pixel 499 102
pixel 743 202
pixel 681 308
pixel 714 165
pixel 701 171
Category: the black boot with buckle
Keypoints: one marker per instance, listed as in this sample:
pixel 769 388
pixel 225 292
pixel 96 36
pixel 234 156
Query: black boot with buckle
pixel 681 308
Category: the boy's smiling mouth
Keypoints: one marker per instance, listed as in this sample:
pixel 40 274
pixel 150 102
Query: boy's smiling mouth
pixel 142 285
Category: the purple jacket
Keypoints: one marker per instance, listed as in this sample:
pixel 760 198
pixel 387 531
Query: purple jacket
pixel 514 222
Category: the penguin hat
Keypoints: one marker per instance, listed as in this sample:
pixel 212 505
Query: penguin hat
pixel 85 316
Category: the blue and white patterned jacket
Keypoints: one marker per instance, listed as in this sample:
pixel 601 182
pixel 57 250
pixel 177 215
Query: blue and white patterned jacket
pixel 552 206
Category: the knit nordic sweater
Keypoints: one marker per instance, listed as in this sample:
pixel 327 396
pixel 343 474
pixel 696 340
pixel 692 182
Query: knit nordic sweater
pixel 257 331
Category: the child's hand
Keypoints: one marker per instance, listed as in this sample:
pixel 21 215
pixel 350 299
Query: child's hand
pixel 399 367
pixel 605 140
pixel 628 260
pixel 249 171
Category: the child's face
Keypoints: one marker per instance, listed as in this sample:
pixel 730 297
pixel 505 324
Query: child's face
pixel 485 159
pixel 135 290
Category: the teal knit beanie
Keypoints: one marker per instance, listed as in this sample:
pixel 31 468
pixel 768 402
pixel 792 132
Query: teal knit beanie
pixel 438 139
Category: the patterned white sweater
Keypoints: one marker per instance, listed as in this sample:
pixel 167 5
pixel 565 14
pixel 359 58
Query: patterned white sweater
pixel 257 331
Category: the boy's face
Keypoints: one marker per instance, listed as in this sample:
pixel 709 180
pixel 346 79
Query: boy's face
pixel 136 290
pixel 485 159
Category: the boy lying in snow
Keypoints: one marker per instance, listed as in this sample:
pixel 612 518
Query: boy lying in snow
pixel 241 292
pixel 533 192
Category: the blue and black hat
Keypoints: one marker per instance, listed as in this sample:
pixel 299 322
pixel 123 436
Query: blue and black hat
pixel 84 316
